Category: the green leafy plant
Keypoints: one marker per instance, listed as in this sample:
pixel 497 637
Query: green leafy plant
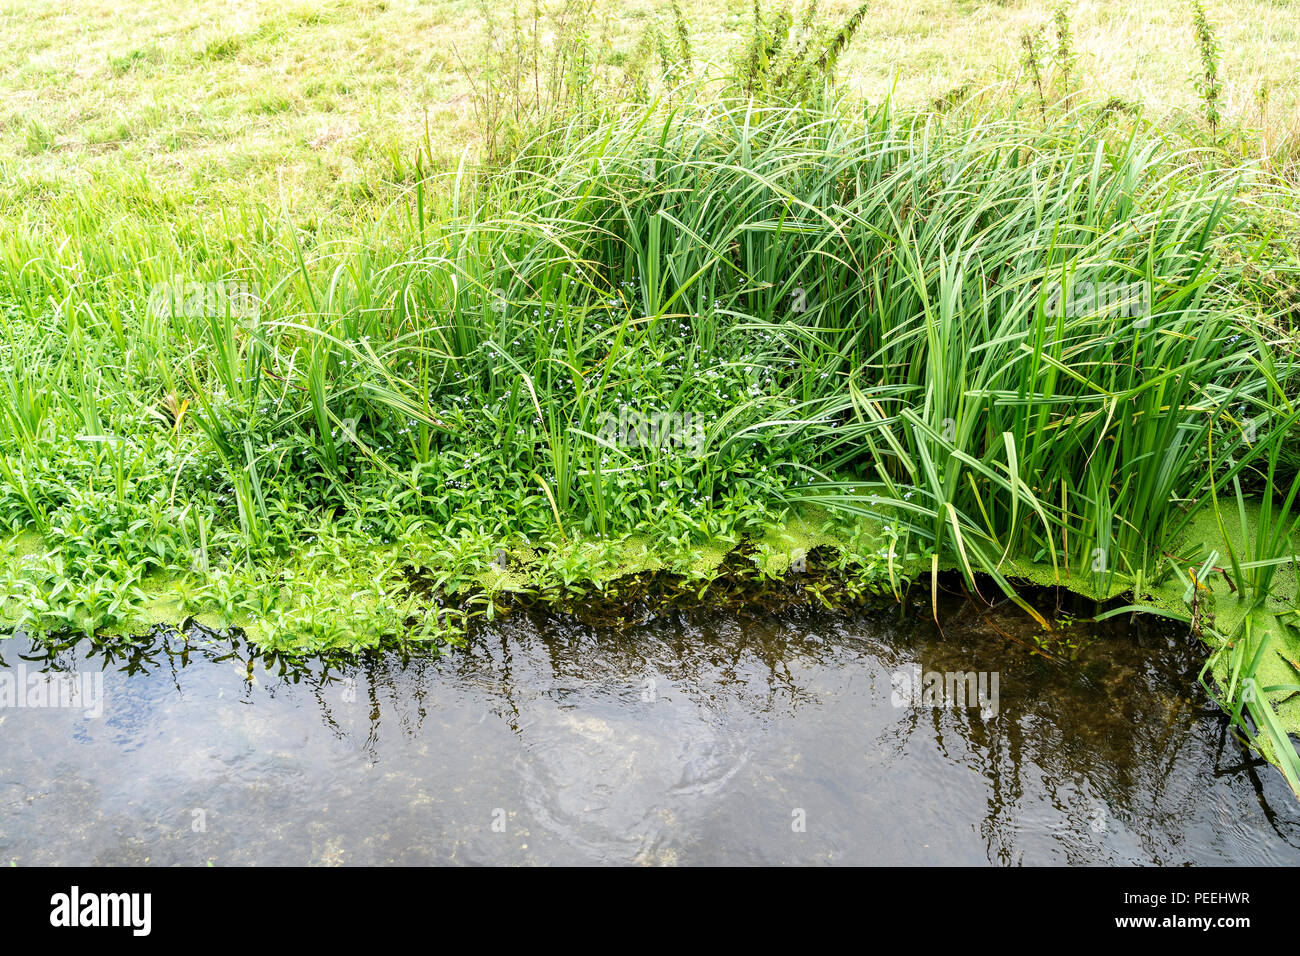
pixel 1208 85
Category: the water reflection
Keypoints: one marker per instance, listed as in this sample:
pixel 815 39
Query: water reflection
pixel 728 738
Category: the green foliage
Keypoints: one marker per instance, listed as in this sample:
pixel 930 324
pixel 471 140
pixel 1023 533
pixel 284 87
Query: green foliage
pixel 668 315
pixel 791 62
pixel 1032 42
pixel 1206 80
pixel 1067 60
pixel 520 85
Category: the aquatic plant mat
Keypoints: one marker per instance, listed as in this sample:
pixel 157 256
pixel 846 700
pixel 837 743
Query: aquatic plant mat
pixel 800 567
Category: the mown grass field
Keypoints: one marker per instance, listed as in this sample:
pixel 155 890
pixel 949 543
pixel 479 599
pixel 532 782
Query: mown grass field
pixel 332 321
pixel 304 106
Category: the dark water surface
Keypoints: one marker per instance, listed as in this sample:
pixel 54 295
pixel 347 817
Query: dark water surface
pixel 765 738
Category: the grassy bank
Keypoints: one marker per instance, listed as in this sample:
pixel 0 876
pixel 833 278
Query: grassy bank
pixel 669 312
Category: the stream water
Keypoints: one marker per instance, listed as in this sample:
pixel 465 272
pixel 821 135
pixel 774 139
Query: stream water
pixel 794 737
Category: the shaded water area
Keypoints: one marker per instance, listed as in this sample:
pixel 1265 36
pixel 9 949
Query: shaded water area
pixel 765 737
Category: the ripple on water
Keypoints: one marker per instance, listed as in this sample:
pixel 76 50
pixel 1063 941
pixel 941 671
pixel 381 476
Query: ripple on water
pixel 724 739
